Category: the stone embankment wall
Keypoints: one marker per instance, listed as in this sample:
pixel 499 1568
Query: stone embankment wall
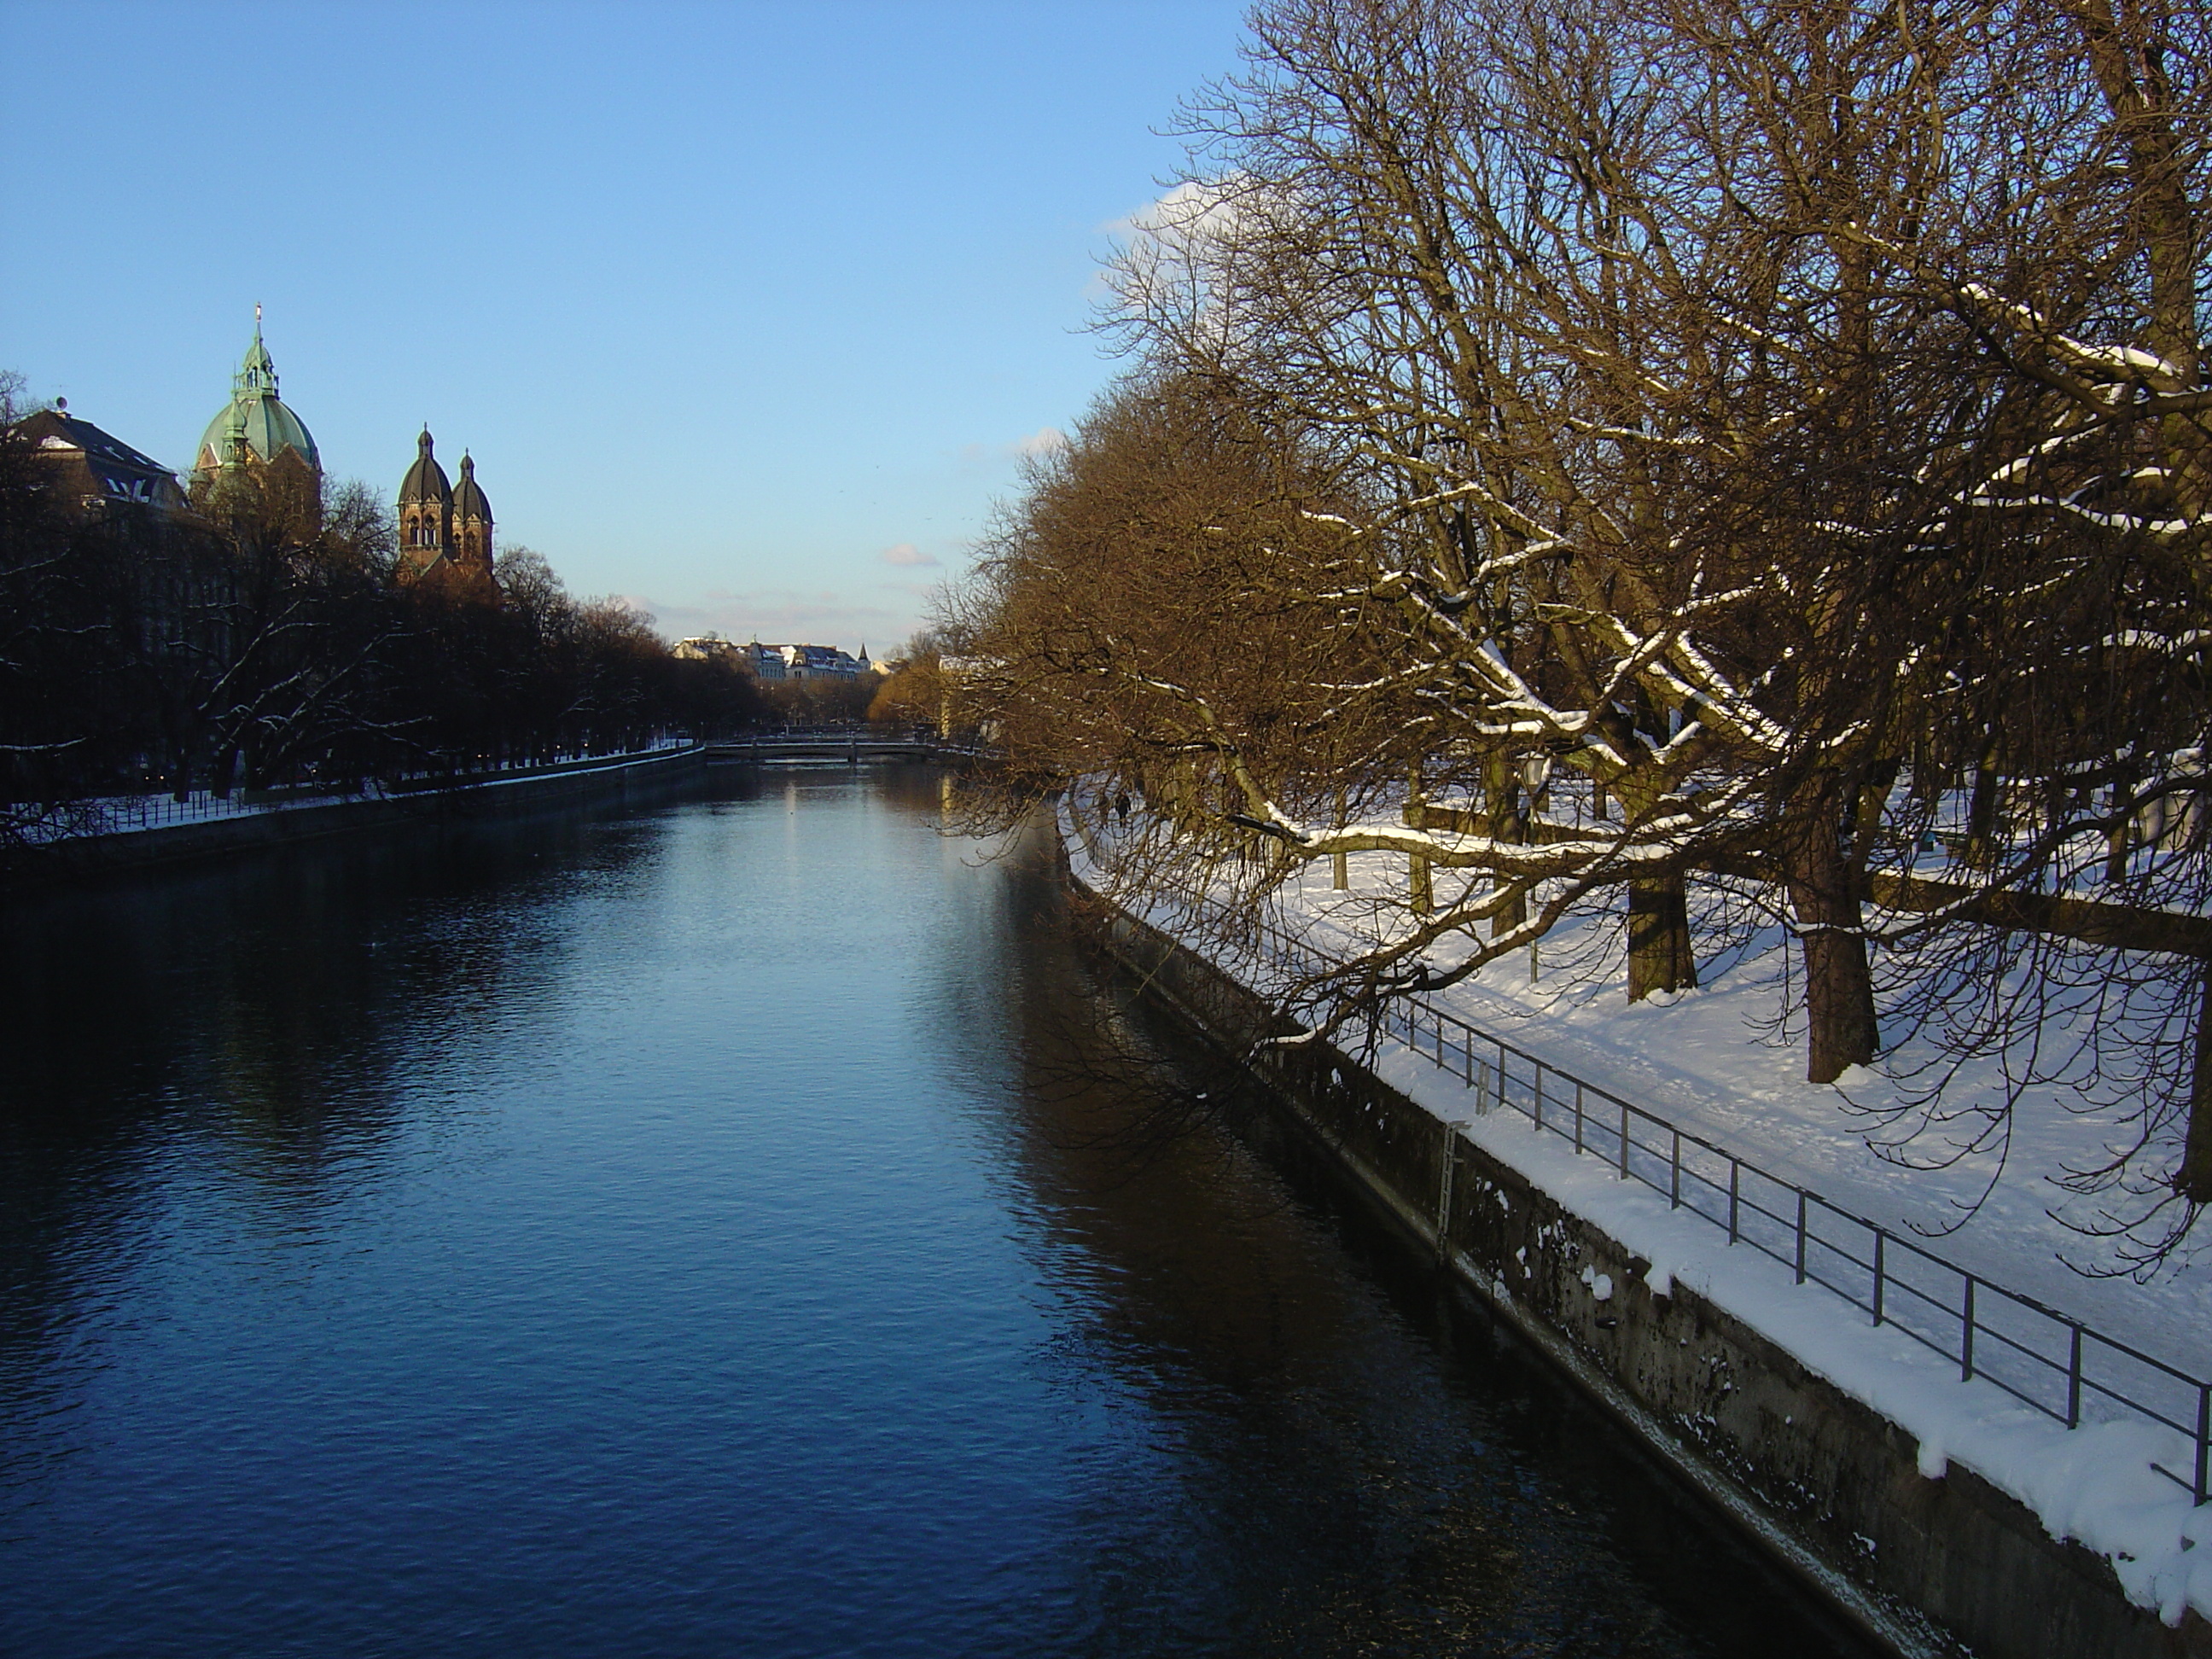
pixel 1830 1487
pixel 615 778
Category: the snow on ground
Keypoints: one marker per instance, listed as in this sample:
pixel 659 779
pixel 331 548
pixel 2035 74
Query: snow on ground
pixel 1711 1061
pixel 2094 1484
pixel 124 814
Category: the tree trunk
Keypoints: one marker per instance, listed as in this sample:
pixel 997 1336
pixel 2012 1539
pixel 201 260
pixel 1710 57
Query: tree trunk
pixel 1420 891
pixel 2120 839
pixel 180 769
pixel 1659 954
pixel 1507 824
pixel 1823 892
pixel 2193 1180
pixel 1982 816
pixel 1927 772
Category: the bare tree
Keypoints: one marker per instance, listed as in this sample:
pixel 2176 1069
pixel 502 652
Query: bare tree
pixel 1787 423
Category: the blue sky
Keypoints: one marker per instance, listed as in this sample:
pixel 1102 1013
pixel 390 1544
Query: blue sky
pixel 743 310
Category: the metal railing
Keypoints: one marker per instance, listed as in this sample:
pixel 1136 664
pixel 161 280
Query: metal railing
pixel 2059 1366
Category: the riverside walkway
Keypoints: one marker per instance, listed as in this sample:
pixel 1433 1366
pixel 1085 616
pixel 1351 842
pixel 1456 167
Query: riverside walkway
pixel 123 831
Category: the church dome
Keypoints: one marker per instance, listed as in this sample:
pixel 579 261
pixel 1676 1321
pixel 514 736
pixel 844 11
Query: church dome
pixel 269 427
pixel 426 480
pixel 469 501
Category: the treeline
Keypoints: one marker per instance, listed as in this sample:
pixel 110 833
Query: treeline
pixel 264 639
pixel 1722 450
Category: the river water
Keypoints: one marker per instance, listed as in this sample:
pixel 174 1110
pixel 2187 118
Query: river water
pixel 744 1226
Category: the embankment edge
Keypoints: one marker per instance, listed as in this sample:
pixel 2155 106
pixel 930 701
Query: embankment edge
pixel 614 777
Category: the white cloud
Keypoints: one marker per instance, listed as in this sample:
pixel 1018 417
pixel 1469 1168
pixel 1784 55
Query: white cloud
pixel 906 554
pixel 1178 254
pixel 1042 441
pixel 1194 210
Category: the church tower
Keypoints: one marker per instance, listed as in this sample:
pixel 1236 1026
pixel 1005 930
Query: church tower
pixel 471 522
pixel 444 532
pixel 426 509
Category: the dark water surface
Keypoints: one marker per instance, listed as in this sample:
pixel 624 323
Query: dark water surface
pixel 725 1230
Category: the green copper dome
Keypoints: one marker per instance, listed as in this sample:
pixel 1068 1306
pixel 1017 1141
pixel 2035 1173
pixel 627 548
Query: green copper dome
pixel 255 412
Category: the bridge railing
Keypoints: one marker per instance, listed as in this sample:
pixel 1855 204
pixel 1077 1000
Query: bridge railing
pixel 859 740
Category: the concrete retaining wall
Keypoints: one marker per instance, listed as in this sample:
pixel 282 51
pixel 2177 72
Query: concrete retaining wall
pixel 615 778
pixel 1828 1485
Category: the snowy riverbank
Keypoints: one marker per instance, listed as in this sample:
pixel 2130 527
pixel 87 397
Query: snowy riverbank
pixel 139 814
pixel 1714 1063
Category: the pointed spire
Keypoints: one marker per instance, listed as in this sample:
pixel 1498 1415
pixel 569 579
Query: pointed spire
pixel 257 376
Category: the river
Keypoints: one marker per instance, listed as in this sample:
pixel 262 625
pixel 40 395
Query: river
pixel 748 1225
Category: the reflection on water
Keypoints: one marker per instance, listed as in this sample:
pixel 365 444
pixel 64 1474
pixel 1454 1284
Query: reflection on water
pixel 732 1228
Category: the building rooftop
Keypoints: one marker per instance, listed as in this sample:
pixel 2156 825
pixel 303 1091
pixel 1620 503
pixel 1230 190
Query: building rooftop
pixel 112 470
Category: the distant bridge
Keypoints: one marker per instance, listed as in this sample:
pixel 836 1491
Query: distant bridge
pixel 850 744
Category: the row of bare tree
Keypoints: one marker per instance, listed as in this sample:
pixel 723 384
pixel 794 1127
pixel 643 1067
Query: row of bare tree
pixel 264 639
pixel 1622 452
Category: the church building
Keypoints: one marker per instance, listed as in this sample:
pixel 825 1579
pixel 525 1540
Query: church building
pixel 256 431
pixel 444 529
